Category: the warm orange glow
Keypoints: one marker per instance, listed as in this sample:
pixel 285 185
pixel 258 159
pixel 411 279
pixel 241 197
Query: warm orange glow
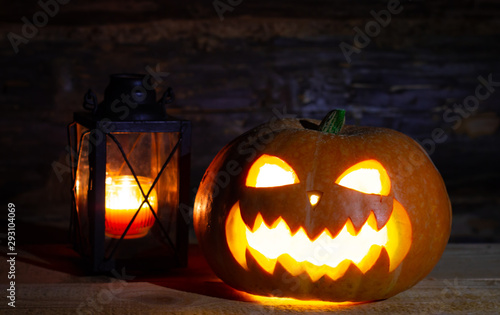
pixel 368 177
pixel 326 255
pixel 313 199
pixel 123 198
pixel 272 300
pixel 270 171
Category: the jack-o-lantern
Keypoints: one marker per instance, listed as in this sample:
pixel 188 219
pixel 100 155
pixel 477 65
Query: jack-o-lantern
pixel 298 209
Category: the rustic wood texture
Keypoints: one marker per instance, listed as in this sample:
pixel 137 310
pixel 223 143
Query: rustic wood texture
pixel 465 281
pixel 230 75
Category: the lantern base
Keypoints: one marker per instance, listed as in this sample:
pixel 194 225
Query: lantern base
pixel 128 236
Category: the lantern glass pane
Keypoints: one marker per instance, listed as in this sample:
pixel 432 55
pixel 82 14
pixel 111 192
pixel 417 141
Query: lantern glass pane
pixel 146 153
pixel 82 186
pixel 168 184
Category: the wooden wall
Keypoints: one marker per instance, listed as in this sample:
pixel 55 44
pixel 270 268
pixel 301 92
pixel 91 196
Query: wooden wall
pixel 230 73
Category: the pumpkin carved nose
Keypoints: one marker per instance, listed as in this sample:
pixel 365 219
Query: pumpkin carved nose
pixel 314 197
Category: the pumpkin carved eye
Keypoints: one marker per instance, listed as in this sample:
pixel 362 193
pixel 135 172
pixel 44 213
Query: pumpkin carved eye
pixel 271 171
pixel 368 177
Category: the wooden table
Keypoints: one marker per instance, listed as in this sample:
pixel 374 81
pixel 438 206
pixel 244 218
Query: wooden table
pixel 49 280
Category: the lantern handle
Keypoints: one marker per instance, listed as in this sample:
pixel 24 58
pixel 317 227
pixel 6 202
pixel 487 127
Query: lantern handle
pixel 90 101
pixel 167 97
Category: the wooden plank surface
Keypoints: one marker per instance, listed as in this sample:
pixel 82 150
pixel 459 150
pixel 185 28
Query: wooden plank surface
pixel 466 280
pixel 428 297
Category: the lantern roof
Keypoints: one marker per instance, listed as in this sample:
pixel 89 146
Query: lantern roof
pixel 129 97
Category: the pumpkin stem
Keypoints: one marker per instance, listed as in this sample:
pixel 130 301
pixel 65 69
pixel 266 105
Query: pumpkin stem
pixel 333 122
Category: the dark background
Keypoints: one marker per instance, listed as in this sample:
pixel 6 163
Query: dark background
pixel 230 74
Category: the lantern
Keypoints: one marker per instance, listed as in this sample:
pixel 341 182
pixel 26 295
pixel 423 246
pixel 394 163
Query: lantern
pixel 320 211
pixel 130 178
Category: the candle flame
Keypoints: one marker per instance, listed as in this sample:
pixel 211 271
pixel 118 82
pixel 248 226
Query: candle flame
pixel 123 199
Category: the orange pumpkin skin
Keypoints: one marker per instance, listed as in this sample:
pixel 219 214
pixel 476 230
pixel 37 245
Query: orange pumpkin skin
pixel 318 160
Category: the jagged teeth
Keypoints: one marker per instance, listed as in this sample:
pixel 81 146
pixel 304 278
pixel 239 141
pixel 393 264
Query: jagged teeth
pixel 378 208
pixel 323 256
pixel 371 219
pixel 273 241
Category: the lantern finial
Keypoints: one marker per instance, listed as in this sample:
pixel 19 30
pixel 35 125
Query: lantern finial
pixel 132 97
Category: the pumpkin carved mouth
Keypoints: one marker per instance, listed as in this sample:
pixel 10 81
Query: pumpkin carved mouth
pixel 329 254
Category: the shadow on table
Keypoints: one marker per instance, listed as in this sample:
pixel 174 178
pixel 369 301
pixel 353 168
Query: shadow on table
pixel 49 247
pixel 196 278
pixel 46 247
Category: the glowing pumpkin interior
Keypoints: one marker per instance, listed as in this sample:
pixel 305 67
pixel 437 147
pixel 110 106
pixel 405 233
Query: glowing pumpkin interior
pixel 330 254
pixel 271 171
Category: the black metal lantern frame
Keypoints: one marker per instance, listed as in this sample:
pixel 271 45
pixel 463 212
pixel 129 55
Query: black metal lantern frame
pixel 130 179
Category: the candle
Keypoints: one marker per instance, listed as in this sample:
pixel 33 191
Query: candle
pixel 123 198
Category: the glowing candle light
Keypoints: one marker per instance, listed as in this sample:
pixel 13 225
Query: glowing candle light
pixel 123 199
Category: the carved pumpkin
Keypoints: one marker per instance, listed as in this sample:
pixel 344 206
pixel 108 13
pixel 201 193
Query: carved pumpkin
pixel 322 212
